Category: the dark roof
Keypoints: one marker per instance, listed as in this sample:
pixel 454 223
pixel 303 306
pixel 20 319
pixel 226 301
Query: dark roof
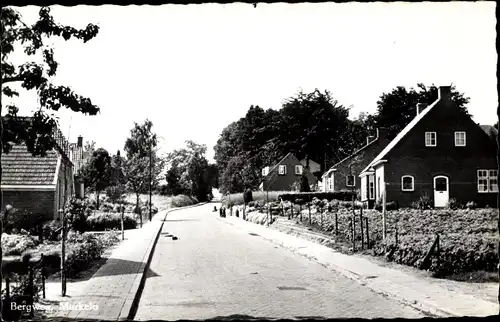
pixel 19 167
pixel 490 130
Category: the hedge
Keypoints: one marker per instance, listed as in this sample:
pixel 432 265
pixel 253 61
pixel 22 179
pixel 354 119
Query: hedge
pixel 109 221
pixel 298 197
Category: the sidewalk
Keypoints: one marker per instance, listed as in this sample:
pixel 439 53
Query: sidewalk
pixel 112 291
pixel 434 297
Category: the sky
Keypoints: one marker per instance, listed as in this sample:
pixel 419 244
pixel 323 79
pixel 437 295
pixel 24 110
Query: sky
pixel 194 69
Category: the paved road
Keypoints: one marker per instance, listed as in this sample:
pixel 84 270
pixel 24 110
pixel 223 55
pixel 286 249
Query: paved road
pixel 215 269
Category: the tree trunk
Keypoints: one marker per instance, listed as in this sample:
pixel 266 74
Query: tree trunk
pixel 137 209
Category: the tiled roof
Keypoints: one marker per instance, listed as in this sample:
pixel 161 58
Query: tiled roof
pixel 19 167
pixel 401 135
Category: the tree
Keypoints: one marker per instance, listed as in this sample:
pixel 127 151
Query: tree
pixel 304 184
pixel 173 178
pixel 190 167
pixel 37 131
pixel 97 172
pixel 141 141
pixel 397 108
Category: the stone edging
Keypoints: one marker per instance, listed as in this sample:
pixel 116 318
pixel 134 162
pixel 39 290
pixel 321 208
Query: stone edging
pixel 132 303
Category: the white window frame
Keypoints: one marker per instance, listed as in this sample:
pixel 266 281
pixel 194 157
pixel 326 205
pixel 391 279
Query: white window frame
pixel 353 180
pixel 330 183
pixel 428 138
pixel 299 168
pixel 412 183
pixel 282 170
pixel 487 176
pixel 371 187
pixel 457 137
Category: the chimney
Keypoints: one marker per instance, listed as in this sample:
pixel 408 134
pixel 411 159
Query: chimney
pixel 80 142
pixel 421 107
pixel 444 92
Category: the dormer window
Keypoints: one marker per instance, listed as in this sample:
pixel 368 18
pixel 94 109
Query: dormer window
pixel 430 139
pixel 282 169
pixel 460 139
pixel 298 169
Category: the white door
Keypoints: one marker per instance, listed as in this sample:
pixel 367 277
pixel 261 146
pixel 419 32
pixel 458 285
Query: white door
pixel 441 191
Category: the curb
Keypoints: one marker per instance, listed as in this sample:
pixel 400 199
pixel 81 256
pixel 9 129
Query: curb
pixel 132 302
pixel 418 305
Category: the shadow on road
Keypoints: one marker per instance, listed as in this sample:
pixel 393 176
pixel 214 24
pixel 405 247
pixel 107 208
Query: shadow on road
pixel 116 266
pixel 180 220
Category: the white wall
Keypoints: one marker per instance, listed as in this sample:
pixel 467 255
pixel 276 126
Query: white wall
pixel 379 173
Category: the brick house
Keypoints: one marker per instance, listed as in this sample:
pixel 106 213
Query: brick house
pixel 40 185
pixel 286 173
pixel 442 153
pixel 343 175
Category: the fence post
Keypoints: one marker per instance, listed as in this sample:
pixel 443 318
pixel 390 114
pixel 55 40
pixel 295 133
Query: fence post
pixel 283 210
pixel 336 222
pixel 309 206
pixel 361 228
pixel 122 224
pixel 354 231
pixel 367 234
pixel 438 252
pixel 396 233
pixel 321 218
pixel 43 274
pixel 63 254
pixel 291 210
pixel 384 222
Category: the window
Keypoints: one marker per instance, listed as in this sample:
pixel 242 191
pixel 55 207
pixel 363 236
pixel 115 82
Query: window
pixel 430 139
pixel 459 138
pixel 350 181
pixel 487 181
pixel 282 169
pixel 371 187
pixel 264 172
pixel 407 183
pixel 330 184
pixel 298 169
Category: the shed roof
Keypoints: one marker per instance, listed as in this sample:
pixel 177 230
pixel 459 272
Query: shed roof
pixel 20 167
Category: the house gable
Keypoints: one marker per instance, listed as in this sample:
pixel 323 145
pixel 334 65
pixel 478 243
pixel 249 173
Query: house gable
pixel 274 181
pixel 408 156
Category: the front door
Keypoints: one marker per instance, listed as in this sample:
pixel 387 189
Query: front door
pixel 441 191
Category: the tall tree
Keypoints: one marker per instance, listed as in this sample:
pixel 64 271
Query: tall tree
pixel 397 108
pixel 190 162
pixel 315 124
pixel 37 131
pixel 142 139
pixel 97 172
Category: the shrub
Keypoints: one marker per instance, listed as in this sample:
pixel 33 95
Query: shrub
pixel 115 193
pixel 50 230
pixel 106 207
pixel 309 196
pixel 454 204
pixel 77 212
pixel 247 196
pixel 17 244
pixel 17 220
pixel 304 184
pixel 109 221
pixel 183 200
pixel 471 205
pixel 423 203
pixel 391 205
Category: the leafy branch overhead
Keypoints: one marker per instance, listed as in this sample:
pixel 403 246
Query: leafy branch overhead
pixel 36 131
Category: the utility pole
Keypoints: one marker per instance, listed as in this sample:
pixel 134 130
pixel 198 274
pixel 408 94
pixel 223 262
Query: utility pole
pixel 150 180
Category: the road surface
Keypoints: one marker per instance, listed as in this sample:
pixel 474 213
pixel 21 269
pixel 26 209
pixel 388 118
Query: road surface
pixel 215 270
